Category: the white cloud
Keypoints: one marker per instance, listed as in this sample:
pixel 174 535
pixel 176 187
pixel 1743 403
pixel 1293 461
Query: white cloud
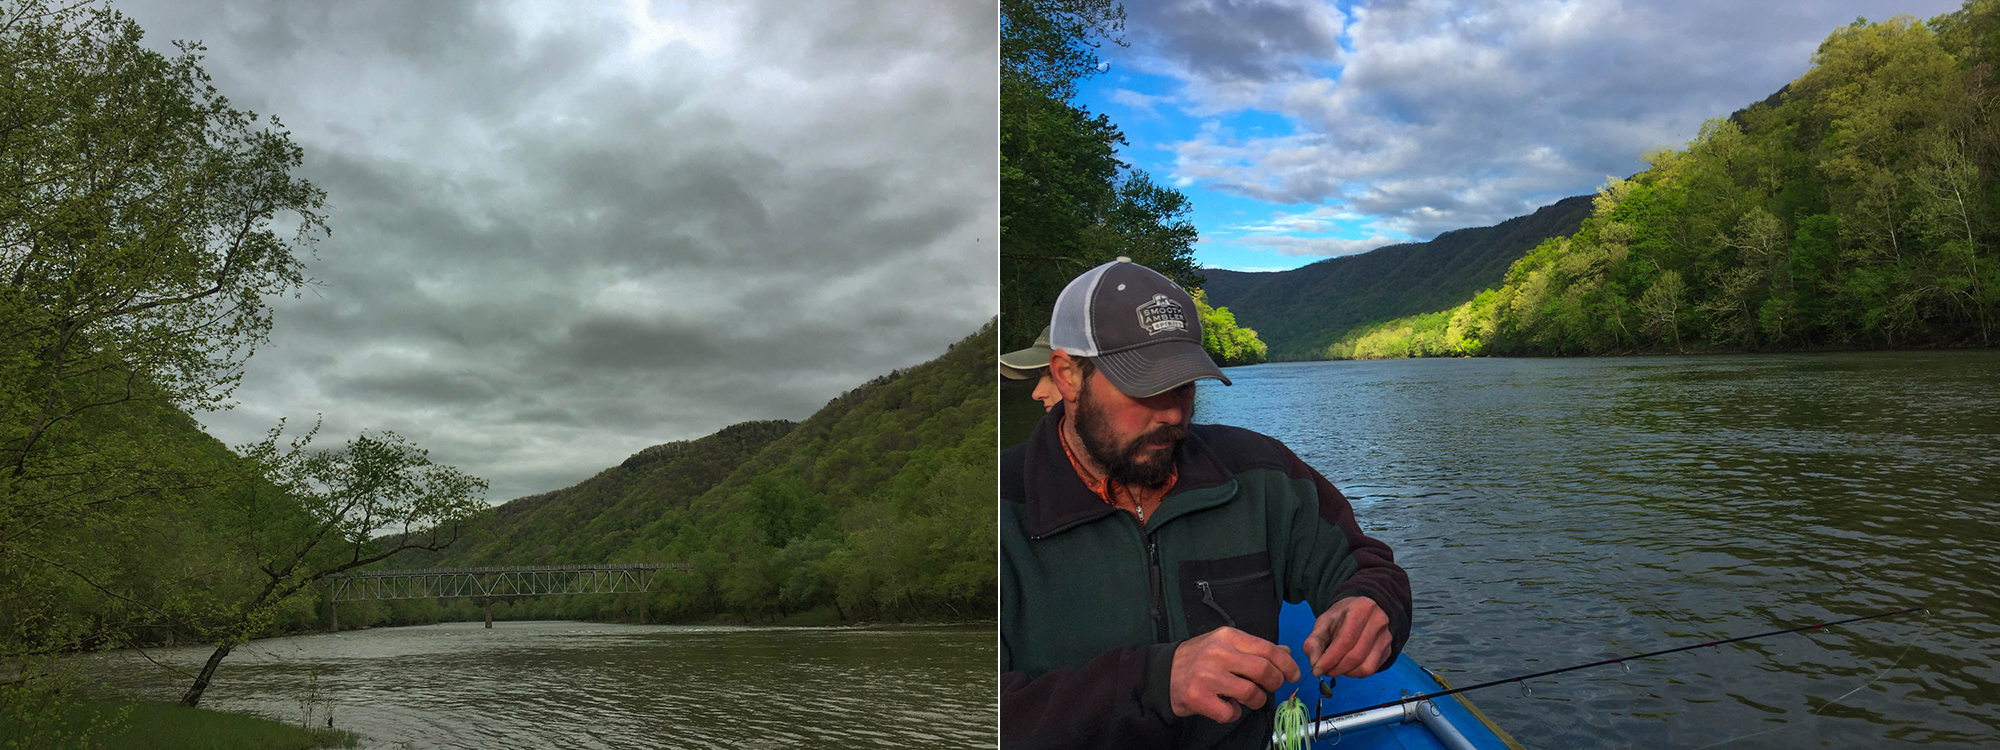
pixel 563 233
pixel 1320 247
pixel 1449 113
pixel 1146 104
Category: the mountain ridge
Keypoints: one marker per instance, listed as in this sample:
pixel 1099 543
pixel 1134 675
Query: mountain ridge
pixel 1300 311
pixel 872 507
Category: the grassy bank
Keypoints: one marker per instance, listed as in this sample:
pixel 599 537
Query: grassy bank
pixel 163 726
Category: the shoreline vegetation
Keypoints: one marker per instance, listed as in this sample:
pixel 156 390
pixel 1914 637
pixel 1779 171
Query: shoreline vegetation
pixel 145 725
pixel 1855 209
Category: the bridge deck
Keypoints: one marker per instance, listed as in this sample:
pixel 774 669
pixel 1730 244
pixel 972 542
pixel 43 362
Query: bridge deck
pixel 516 580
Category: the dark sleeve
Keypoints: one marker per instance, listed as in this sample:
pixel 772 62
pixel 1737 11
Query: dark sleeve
pixel 1378 577
pixel 1116 700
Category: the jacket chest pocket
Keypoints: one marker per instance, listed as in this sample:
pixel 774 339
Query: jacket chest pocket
pixel 1237 592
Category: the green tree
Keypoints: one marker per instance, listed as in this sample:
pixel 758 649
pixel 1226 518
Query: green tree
pixel 327 512
pixel 1066 202
pixel 1227 343
pixel 143 222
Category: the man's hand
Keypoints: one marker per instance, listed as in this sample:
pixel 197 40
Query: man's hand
pixel 1220 673
pixel 1350 639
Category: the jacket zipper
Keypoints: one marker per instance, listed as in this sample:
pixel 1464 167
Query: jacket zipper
pixel 1159 597
pixel 1240 578
pixel 1208 594
pixel 1208 598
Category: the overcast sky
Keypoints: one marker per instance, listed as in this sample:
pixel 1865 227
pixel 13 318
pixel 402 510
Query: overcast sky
pixel 563 232
pixel 1305 129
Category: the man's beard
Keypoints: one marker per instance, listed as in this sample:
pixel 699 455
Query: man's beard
pixel 1131 464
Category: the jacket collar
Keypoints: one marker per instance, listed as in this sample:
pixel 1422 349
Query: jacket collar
pixel 1058 500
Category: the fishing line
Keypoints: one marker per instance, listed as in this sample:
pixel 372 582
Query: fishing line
pixel 1620 659
pixel 1836 701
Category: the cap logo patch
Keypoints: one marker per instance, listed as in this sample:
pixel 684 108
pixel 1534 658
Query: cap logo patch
pixel 1161 314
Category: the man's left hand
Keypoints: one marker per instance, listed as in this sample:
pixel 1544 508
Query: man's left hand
pixel 1350 639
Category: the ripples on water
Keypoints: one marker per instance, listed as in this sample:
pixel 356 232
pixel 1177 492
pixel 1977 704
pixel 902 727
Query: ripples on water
pixel 578 685
pixel 1559 511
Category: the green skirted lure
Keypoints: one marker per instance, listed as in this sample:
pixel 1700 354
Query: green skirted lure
pixel 1290 726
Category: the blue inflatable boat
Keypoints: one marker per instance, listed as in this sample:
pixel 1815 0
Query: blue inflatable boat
pixel 1448 723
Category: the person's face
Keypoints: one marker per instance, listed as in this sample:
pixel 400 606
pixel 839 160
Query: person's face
pixel 1132 438
pixel 1045 392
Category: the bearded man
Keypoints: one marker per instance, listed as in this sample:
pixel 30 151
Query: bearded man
pixel 1143 558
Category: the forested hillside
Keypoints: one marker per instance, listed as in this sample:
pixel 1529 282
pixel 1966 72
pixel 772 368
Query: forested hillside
pixel 597 518
pixel 1854 209
pixel 1299 312
pixel 879 506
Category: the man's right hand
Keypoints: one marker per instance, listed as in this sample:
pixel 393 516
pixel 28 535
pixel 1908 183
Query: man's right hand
pixel 1220 673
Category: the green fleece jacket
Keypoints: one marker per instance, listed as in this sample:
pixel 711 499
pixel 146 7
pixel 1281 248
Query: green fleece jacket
pixel 1092 603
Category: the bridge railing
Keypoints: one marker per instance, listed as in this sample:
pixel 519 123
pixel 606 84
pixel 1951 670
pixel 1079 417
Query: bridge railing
pixel 516 580
pixel 511 569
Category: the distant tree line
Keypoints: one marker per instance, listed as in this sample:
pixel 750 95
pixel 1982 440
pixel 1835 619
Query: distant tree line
pixel 1227 343
pixel 1855 208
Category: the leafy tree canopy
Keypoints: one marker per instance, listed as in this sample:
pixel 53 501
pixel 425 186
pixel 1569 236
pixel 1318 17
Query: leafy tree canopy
pixel 144 222
pixel 1066 202
pixel 1227 343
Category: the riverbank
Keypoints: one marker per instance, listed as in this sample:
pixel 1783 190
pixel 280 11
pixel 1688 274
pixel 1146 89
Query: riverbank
pixel 600 686
pixel 117 725
pixel 1391 341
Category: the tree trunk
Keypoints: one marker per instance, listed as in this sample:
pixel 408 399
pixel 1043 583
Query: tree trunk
pixel 193 696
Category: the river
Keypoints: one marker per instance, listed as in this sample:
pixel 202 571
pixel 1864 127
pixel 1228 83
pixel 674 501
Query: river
pixel 1558 511
pixel 584 685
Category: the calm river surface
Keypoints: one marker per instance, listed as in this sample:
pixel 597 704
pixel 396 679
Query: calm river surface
pixel 1559 511
pixel 582 685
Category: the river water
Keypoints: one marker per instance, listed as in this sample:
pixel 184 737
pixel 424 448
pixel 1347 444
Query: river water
pixel 582 685
pixel 1559 511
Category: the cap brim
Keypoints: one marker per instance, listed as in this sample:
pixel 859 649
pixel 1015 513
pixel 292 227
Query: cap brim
pixel 1153 370
pixel 1016 373
pixel 1024 364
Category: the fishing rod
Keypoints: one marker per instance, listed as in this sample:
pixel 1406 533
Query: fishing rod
pixel 1614 660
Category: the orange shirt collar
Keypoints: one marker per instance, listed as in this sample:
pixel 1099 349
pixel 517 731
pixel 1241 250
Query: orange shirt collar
pixel 1101 487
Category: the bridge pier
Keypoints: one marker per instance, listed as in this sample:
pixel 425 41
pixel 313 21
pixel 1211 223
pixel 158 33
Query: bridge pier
pixel 332 612
pixel 489 614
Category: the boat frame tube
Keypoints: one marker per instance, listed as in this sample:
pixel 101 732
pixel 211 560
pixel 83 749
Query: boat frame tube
pixel 1420 711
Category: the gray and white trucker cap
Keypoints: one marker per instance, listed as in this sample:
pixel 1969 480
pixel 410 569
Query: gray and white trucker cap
pixel 1139 327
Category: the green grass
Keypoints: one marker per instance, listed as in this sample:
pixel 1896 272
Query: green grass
pixel 166 726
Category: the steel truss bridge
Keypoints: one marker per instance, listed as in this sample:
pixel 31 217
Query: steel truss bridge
pixel 487 583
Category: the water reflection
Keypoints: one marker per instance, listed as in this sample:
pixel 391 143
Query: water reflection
pixel 1561 511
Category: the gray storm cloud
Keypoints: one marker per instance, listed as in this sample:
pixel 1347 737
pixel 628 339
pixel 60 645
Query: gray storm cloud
pixel 565 232
pixel 1436 115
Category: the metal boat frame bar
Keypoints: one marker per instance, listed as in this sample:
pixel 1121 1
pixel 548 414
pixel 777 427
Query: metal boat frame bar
pixel 1421 711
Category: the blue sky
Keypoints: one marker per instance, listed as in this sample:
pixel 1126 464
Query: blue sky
pixel 1304 130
